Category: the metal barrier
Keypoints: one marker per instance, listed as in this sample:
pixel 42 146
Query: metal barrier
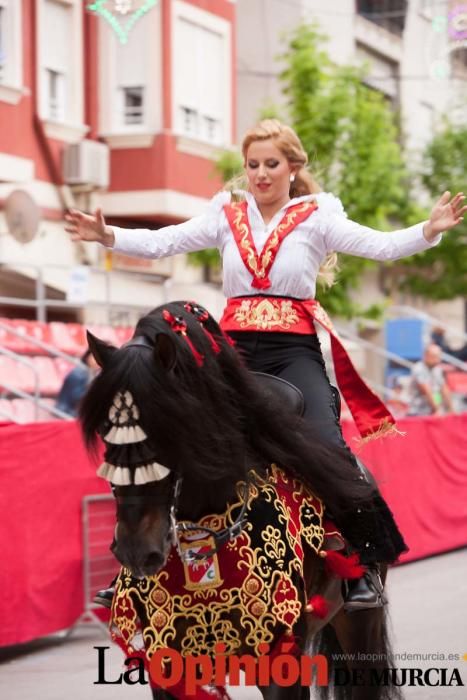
pixel 99 564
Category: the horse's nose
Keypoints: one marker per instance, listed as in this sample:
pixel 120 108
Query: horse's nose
pixel 153 562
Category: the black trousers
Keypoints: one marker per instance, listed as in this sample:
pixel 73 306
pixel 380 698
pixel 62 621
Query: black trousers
pixel 299 360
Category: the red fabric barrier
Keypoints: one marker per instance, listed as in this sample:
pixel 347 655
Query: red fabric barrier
pixel 423 476
pixel 45 472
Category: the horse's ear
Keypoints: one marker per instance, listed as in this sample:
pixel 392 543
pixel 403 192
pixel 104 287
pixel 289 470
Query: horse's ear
pixel 165 351
pixel 101 351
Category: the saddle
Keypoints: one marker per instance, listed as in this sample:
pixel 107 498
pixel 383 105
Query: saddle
pixel 289 395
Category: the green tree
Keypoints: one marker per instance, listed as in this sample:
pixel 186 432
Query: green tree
pixel 350 134
pixel 352 138
pixel 441 273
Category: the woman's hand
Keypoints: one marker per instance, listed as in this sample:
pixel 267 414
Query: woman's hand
pixel 446 214
pixel 84 227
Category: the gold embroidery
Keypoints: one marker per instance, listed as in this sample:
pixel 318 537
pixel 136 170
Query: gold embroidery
pixel 261 571
pixel 266 314
pixel 259 264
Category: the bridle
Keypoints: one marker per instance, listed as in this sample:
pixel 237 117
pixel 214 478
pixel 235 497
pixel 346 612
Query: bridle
pixel 220 538
pixel 178 528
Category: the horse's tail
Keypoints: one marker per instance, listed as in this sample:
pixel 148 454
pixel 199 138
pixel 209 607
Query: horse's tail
pixel 352 669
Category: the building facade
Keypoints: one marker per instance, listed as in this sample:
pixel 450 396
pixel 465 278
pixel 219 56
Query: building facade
pixel 416 51
pixel 99 115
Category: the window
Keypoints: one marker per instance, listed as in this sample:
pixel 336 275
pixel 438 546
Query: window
pixel 390 14
pixel 10 43
pixel 3 49
pixel 130 82
pixel 383 74
pixel 57 66
pixel 202 75
pixel 133 105
pixel 56 106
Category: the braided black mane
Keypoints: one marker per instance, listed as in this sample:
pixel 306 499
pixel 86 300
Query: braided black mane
pixel 204 414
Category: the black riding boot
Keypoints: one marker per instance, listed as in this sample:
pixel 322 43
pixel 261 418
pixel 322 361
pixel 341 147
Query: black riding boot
pixel 105 596
pixel 365 592
pixel 368 591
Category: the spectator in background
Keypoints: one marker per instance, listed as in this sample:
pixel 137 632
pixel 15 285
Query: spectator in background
pixel 437 336
pixel 75 384
pixel 429 391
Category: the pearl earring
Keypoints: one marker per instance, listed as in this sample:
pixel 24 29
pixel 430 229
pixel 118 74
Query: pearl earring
pixel 292 177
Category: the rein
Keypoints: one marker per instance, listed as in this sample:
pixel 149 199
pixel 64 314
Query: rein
pixel 220 538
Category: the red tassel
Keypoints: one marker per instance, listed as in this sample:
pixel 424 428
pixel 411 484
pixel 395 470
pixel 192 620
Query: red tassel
pixel 178 325
pixel 202 316
pixel 214 344
pixel 199 358
pixel 318 606
pixel 342 566
pixel 228 339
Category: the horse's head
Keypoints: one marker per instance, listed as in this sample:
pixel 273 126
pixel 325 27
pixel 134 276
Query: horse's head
pixel 162 407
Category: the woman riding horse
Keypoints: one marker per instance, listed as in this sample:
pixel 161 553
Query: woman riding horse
pixel 273 242
pixel 199 454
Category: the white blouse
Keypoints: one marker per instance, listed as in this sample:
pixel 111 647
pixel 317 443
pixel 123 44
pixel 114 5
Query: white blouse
pixel 300 255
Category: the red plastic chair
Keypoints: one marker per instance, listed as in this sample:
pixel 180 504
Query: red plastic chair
pixel 50 381
pixel 457 381
pixel 106 333
pixel 123 333
pixel 62 367
pixel 68 337
pixel 14 375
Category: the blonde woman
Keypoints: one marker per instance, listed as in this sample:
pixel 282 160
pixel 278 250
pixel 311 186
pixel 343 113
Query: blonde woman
pixel 273 238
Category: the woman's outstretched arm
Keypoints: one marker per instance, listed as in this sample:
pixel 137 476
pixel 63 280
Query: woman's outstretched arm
pixel 346 236
pixel 195 234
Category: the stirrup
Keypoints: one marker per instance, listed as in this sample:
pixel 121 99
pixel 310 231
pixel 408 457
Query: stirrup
pixel 366 592
pixel 104 597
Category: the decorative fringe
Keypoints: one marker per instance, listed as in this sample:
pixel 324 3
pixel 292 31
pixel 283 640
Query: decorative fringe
pixel 318 606
pixel 121 476
pixel 386 429
pixel 342 566
pixel 150 472
pixel 125 434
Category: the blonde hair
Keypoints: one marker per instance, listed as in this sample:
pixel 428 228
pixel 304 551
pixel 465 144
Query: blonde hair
pixel 287 141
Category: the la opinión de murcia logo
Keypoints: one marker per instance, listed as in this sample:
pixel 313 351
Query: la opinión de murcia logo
pixel 167 668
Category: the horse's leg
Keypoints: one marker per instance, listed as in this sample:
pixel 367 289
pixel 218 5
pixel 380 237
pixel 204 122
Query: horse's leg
pixel 277 692
pixel 363 638
pixel 296 691
pixel 159 694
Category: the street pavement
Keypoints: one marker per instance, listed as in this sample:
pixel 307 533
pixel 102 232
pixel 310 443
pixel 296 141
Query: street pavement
pixel 429 616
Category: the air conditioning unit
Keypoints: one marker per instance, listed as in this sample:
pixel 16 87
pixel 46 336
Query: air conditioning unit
pixel 87 163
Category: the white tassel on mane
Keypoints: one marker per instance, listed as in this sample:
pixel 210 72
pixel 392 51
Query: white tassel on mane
pixel 121 476
pixel 122 411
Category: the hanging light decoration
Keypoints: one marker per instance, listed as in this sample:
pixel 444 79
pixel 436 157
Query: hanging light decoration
pixel 122 15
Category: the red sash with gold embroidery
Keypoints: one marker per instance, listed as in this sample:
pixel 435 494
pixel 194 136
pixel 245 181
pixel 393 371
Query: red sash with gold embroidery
pixel 260 265
pixel 279 314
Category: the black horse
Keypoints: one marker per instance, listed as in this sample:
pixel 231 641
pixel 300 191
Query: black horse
pixel 221 537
